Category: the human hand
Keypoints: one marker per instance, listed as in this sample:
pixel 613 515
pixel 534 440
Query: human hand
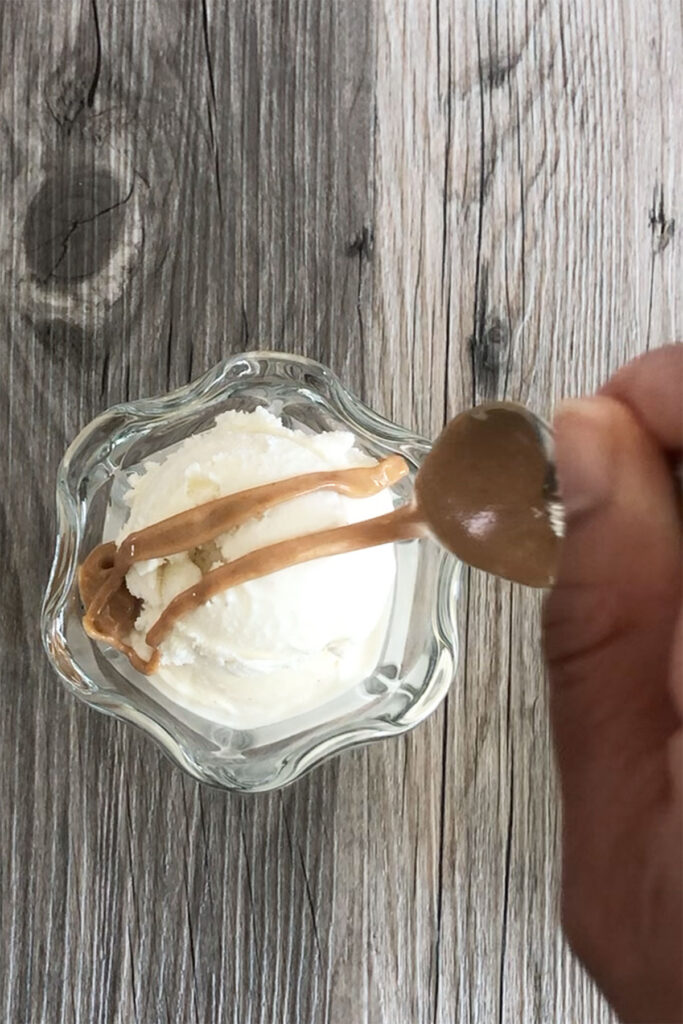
pixel 614 644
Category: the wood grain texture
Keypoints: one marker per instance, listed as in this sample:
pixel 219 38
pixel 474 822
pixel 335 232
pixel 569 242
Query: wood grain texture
pixel 444 200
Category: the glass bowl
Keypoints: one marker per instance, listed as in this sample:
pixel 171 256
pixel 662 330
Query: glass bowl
pixel 420 649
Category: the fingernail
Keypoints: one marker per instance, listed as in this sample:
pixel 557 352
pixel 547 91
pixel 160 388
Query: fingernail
pixel 584 453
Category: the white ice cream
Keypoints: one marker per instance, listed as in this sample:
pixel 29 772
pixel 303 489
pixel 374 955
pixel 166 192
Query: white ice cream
pixel 282 644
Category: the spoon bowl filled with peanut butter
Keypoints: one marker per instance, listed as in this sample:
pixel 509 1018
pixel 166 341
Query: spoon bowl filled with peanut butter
pixel 487 491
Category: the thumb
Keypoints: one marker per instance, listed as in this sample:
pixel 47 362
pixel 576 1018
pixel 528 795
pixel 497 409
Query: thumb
pixel 609 621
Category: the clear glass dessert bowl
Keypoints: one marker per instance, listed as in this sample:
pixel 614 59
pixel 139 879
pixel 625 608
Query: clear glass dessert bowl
pixel 419 654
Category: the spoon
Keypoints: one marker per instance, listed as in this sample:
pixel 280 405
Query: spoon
pixel 487 491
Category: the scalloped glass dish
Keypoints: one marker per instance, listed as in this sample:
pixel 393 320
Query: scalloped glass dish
pixel 420 649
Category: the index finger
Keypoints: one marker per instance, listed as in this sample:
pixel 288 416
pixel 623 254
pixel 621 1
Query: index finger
pixel 652 387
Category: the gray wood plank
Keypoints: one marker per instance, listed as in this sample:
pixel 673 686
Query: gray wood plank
pixel 243 141
pixel 446 201
pixel 534 139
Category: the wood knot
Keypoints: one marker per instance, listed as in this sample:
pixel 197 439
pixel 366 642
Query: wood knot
pixel 73 225
pixel 661 226
pixel 490 347
pixel 490 341
pixel 362 244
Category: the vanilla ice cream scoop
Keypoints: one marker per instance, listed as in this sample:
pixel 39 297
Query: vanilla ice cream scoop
pixel 284 643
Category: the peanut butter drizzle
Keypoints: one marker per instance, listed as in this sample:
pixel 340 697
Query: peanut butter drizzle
pixel 401 524
pixel 110 609
pixel 118 614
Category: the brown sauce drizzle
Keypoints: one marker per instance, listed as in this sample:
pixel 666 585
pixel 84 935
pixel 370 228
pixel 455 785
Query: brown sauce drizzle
pixel 484 491
pixel 111 610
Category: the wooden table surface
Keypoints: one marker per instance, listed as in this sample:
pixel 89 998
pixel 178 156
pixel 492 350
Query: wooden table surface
pixel 446 200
